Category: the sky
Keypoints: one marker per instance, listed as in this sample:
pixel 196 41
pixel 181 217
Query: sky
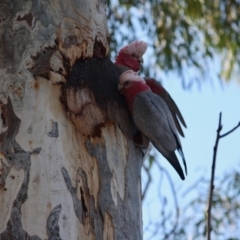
pixel 200 108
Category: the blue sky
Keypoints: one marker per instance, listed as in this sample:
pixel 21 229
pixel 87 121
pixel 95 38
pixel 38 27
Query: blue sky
pixel 200 109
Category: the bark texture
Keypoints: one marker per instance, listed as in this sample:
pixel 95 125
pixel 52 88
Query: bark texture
pixel 68 167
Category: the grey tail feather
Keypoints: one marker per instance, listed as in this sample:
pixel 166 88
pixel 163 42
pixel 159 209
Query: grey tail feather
pixel 180 117
pixel 172 158
pixel 179 148
pixel 177 124
pixel 183 159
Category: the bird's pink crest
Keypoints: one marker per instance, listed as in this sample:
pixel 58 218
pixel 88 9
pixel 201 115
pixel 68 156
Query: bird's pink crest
pixel 137 47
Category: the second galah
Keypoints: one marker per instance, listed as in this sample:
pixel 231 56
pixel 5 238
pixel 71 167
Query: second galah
pixel 152 117
pixel 131 56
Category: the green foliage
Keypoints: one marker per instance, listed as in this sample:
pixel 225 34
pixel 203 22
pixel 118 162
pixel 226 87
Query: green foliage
pixel 184 34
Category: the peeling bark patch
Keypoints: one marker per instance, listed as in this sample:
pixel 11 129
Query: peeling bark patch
pixel 84 190
pixel 28 18
pixel 41 65
pixel 52 223
pixel 14 229
pixel 84 207
pixel 36 151
pixel 73 191
pixel 51 64
pixel 11 151
pixel 54 132
pixel 117 160
pixel 106 203
pixel 13 154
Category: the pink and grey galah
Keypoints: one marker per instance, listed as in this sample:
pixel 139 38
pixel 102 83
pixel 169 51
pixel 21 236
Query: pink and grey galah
pixel 152 117
pixel 131 56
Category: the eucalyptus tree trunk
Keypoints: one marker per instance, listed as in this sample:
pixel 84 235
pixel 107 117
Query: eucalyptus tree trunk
pixel 68 167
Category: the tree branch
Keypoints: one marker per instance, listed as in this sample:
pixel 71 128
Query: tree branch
pixel 209 229
pixel 211 188
pixel 232 130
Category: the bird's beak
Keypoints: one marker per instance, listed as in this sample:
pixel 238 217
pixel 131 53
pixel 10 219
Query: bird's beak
pixel 120 88
pixel 140 59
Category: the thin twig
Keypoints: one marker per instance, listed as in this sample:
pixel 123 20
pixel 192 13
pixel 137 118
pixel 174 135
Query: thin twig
pixel 232 130
pixel 211 188
pixel 148 181
pixel 174 194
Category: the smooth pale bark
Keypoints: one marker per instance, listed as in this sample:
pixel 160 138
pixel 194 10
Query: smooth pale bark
pixel 68 166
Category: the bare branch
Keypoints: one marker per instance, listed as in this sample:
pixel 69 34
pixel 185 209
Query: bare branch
pixel 232 130
pixel 209 228
pixel 211 188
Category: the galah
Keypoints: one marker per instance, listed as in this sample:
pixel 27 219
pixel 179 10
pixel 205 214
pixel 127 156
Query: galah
pixel 131 56
pixel 152 117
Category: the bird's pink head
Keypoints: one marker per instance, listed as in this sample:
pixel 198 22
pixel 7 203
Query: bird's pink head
pixel 130 85
pixel 131 55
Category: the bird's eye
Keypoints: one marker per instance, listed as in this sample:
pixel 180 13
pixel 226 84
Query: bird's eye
pixel 134 55
pixel 126 83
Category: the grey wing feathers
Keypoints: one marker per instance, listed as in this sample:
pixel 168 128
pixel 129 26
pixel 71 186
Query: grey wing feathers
pixel 153 118
pixel 175 112
pixel 174 108
pixel 178 126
